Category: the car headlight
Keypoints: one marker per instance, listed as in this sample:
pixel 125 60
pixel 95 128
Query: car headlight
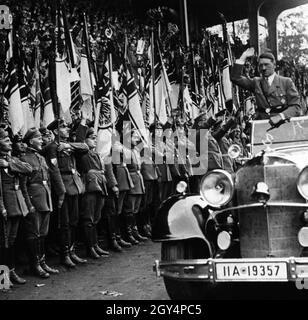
pixel 303 237
pixel 217 188
pixel 302 183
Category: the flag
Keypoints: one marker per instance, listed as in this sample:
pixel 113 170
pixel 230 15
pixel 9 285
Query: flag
pixel 24 78
pixel 36 97
pixel 12 94
pixel 66 73
pixel 191 106
pixel 108 112
pixel 162 86
pixel 87 79
pixel 134 107
pixel 48 113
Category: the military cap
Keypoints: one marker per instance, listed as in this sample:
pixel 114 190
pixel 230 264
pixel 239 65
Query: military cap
pixel 221 113
pixel 3 134
pixel 90 132
pixel 267 55
pixel 168 125
pixel 54 124
pixel 157 126
pixel 44 131
pixel 30 134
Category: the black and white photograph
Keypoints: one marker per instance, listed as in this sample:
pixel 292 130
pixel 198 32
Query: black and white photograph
pixel 154 151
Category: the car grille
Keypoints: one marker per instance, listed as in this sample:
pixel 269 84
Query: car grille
pixel 269 231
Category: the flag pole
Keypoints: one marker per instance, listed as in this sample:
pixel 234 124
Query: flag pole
pixel 86 41
pixel 153 74
pixel 112 111
pixel 186 23
pixel 164 75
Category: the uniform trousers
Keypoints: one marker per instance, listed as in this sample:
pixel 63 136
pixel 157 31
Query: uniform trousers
pixel 37 224
pixel 69 216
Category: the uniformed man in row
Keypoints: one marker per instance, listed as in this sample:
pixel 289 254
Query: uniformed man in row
pixel 92 202
pixel 37 193
pixel 61 158
pixel 13 207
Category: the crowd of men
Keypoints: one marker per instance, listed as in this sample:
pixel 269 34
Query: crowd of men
pixel 56 190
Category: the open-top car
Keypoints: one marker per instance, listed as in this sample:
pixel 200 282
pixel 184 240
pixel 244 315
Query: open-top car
pixel 248 228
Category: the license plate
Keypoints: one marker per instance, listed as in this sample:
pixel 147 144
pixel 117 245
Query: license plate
pixel 253 271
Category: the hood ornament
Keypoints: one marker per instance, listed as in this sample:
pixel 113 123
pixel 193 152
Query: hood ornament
pixel 268 142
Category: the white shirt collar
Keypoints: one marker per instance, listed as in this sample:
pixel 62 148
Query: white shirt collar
pixel 270 79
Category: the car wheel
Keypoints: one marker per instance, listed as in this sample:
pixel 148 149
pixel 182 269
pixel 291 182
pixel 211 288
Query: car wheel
pixel 186 249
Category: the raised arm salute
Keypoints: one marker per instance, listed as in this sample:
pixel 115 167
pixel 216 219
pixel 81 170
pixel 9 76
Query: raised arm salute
pixel 277 98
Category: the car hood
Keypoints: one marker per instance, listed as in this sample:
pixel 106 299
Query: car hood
pixel 297 155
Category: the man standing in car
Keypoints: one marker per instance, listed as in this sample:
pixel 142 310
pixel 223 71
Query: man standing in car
pixel 277 98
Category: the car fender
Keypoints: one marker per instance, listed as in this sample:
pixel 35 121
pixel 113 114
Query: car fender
pixel 176 219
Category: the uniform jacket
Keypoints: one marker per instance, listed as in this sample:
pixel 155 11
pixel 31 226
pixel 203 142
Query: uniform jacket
pixel 208 151
pixel 110 176
pixel 163 169
pixel 91 168
pixel 228 162
pixel 36 186
pixel 125 182
pixel 64 174
pixel 134 168
pixel 13 199
pixel 92 171
pixel 281 92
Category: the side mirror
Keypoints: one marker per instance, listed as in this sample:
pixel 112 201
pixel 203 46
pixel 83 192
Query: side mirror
pixel 234 151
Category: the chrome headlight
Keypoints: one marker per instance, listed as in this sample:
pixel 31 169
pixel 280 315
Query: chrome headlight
pixel 217 188
pixel 302 183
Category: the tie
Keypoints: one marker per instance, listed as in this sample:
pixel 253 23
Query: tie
pixel 265 85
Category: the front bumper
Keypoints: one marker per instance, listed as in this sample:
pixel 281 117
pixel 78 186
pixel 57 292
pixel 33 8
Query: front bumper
pixel 206 270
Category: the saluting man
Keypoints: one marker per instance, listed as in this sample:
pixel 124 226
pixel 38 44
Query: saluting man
pixel 277 98
pixel 92 170
pixel 36 191
pixel 60 156
pixel 14 204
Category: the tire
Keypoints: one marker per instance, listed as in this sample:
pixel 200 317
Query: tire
pixel 186 249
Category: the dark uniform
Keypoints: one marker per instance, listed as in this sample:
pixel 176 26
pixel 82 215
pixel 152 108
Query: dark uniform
pixel 92 201
pixel 133 198
pixel 280 97
pixel 151 198
pixel 66 179
pixel 14 206
pixel 37 194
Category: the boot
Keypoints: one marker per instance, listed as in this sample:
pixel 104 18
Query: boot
pixel 74 256
pixel 97 248
pixel 135 231
pixel 88 232
pixel 91 253
pixel 10 262
pixel 43 260
pixel 129 233
pixel 122 243
pixel 114 246
pixel 137 235
pixel 34 259
pixel 146 231
pixel 65 258
pixel 15 278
